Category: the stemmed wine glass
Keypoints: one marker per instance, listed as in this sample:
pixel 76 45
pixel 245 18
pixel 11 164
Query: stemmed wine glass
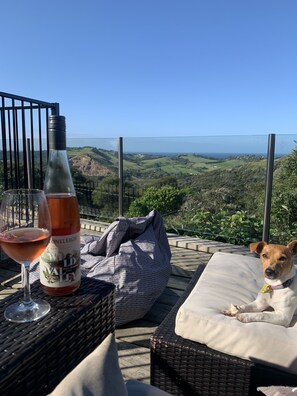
pixel 25 230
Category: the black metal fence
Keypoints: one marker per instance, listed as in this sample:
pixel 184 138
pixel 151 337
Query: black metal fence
pixel 24 153
pixel 24 139
pixel 109 209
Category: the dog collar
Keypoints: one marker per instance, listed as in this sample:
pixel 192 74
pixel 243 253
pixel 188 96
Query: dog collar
pixel 268 288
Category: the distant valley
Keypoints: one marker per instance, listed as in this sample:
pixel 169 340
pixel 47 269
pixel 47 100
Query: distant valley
pixel 93 163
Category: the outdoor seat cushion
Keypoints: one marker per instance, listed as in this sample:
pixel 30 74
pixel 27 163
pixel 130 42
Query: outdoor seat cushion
pixel 231 278
pixel 99 374
pixel 134 255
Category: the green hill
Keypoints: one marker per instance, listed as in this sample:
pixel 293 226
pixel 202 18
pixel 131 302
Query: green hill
pixel 149 167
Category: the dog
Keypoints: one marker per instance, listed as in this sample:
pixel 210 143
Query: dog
pixel 279 291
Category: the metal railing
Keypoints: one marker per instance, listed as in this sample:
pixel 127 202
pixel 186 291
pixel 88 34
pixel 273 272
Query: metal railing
pixel 268 187
pixel 24 139
pixel 24 123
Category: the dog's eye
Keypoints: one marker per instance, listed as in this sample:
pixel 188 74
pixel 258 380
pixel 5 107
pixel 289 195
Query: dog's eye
pixel 283 258
pixel 264 255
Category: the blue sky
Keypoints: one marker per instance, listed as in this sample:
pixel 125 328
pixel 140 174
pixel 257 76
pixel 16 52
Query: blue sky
pixel 156 67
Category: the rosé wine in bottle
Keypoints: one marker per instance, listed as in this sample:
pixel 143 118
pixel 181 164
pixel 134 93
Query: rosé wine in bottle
pixel 60 263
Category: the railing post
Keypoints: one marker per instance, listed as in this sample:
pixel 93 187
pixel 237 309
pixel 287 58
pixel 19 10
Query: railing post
pixel 268 187
pixel 121 175
pixel 56 109
pixel 29 165
pixel 4 146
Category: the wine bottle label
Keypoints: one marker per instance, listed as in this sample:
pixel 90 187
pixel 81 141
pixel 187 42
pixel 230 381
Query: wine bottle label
pixel 60 263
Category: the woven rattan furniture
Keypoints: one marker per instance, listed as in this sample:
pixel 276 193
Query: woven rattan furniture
pixel 35 357
pixel 183 367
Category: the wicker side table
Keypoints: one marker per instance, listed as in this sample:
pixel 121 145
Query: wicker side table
pixel 35 357
pixel 183 367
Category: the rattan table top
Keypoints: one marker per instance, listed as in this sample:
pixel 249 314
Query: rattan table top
pixel 42 353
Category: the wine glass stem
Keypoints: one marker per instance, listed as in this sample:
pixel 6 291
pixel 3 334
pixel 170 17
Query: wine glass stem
pixel 26 283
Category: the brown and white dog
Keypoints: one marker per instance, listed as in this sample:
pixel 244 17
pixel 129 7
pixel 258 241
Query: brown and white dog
pixel 279 291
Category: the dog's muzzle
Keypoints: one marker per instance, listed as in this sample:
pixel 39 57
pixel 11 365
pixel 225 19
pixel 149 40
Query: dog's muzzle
pixel 270 273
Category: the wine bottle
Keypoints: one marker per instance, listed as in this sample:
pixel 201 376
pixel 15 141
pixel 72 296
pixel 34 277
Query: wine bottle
pixel 60 263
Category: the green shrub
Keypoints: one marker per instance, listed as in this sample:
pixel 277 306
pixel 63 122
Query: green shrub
pixel 165 200
pixel 238 228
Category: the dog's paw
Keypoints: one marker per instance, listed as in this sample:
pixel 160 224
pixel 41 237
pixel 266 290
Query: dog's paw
pixel 243 318
pixel 232 311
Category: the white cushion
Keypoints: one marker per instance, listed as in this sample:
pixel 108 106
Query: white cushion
pixel 231 278
pixel 277 390
pixel 98 374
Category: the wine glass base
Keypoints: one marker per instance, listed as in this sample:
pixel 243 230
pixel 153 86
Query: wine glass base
pixel 27 312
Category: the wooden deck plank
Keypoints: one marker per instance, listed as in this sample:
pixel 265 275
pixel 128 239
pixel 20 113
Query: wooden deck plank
pixel 169 297
pixel 178 283
pixel 183 272
pixel 138 333
pixel 134 361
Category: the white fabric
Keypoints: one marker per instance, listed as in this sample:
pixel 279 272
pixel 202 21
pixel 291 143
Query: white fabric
pixel 231 278
pixel 277 390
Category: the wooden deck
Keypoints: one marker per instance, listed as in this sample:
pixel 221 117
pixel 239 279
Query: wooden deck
pixel 133 339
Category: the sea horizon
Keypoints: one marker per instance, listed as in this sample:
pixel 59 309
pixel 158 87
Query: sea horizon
pixel 208 146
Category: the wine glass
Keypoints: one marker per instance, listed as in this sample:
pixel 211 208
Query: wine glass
pixel 25 231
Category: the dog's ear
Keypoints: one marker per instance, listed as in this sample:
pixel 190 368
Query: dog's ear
pixel 258 247
pixel 293 247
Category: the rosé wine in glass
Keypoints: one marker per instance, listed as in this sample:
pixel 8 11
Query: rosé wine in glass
pixel 25 231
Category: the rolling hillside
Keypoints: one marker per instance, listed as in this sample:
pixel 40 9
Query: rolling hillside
pixel 92 162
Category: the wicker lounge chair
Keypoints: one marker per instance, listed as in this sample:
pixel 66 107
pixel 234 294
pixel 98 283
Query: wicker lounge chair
pixel 183 367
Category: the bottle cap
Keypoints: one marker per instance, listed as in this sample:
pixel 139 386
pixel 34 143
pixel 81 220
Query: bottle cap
pixel 57 132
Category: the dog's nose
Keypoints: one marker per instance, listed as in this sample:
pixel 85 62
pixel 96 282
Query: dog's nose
pixel 269 272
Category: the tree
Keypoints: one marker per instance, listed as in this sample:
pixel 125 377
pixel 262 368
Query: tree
pixel 165 200
pixel 165 181
pixel 284 200
pixel 106 195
